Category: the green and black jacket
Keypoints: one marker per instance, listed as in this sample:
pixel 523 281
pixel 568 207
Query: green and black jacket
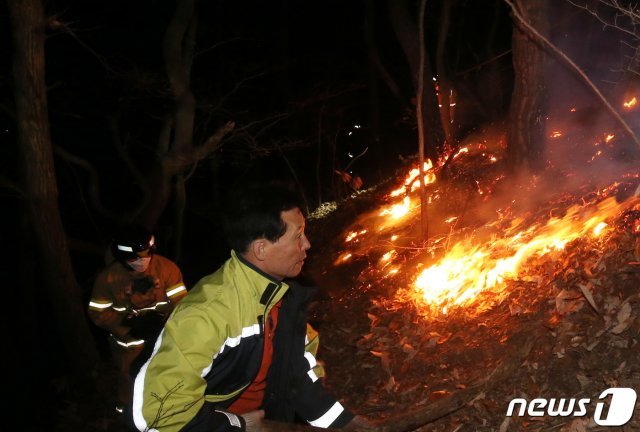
pixel 211 349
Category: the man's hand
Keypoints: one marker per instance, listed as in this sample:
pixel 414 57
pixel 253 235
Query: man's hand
pixel 253 420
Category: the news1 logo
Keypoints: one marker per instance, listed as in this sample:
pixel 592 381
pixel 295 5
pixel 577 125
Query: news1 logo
pixel 621 406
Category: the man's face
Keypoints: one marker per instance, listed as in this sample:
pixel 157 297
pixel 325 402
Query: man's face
pixel 284 258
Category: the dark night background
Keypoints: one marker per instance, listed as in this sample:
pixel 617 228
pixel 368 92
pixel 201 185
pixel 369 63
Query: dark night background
pixel 254 61
pixel 294 76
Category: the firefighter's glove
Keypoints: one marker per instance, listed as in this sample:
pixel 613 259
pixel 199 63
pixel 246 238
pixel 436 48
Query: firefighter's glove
pixel 147 326
pixel 253 421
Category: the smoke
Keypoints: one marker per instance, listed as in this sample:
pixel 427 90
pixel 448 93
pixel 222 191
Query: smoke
pixel 591 146
pixel 586 148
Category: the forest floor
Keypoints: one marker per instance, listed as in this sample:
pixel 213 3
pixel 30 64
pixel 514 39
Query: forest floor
pixel 567 327
pixel 545 340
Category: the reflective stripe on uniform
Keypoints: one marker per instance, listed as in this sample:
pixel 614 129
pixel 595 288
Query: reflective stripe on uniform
pixel 99 305
pixel 329 417
pixel 176 290
pixel 128 344
pixel 154 307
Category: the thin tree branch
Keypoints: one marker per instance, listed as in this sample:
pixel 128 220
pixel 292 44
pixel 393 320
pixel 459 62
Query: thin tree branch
pixel 295 178
pixel 179 162
pixel 484 63
pixel 54 23
pixel 613 4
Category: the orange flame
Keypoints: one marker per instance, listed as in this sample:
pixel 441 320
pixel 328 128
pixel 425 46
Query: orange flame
pixel 469 271
pixel 413 179
pixel 398 211
pixel 473 273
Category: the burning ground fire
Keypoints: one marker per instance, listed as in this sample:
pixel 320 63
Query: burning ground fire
pixel 473 274
pixel 468 271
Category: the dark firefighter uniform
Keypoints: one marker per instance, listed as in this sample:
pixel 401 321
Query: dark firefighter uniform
pixel 114 304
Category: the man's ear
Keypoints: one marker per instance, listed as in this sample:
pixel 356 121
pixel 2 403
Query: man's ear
pixel 257 249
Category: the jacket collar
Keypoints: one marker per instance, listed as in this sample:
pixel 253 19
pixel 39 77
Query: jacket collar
pixel 266 286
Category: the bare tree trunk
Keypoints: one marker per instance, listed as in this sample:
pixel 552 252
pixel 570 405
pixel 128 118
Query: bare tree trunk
pixel 36 159
pixel 179 153
pixel 177 50
pixel 424 219
pixel 406 32
pixel 372 51
pixel 526 136
pixel 374 88
pixel 443 77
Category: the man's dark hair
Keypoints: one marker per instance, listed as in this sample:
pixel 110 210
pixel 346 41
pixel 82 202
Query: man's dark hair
pixel 254 212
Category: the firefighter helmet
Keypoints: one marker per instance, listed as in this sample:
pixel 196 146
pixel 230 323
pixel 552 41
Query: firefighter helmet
pixel 132 242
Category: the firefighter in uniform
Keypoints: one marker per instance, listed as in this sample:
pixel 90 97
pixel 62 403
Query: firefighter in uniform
pixel 238 348
pixel 132 298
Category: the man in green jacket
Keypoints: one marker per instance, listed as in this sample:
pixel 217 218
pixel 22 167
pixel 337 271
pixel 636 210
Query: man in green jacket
pixel 238 347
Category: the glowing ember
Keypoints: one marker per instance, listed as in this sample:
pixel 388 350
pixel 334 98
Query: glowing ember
pixel 346 256
pixel 353 234
pixel 461 151
pixel 387 257
pixel 630 103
